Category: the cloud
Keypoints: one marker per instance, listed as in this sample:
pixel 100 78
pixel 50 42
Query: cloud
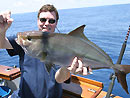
pixel 38 0
pixel 18 4
pixel 62 4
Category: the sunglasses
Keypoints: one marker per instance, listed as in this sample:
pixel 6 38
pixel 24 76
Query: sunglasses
pixel 51 21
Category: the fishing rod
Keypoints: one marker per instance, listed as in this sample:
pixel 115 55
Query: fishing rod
pixel 113 76
pixel 123 48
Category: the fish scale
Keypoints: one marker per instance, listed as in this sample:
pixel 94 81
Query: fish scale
pixel 76 46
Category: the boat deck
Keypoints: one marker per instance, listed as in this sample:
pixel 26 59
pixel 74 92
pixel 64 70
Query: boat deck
pixel 79 87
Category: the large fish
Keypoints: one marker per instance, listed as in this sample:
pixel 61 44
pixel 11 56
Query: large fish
pixel 60 49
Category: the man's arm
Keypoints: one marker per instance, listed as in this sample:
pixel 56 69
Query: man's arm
pixel 5 44
pixel 62 75
pixel 5 23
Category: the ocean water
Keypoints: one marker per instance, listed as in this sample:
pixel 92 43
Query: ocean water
pixel 106 26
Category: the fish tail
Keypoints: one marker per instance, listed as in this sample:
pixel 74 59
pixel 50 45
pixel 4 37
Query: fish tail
pixel 121 76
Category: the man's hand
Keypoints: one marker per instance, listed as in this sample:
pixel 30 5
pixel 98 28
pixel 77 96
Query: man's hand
pixel 77 67
pixel 5 21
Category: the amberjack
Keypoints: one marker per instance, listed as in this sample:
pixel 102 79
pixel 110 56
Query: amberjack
pixel 60 49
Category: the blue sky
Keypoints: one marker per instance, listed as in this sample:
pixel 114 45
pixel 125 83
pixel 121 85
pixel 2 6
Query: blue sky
pixel 21 6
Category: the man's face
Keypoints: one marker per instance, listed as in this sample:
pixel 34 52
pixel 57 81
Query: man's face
pixel 47 22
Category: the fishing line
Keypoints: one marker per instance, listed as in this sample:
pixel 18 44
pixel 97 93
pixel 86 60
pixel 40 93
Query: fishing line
pixel 58 29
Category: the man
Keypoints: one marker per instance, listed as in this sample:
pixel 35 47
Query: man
pixel 36 82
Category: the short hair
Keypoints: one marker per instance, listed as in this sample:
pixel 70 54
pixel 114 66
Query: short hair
pixel 50 8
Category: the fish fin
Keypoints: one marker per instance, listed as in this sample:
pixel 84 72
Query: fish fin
pixel 101 51
pixel 44 55
pixel 48 67
pixel 78 32
pixel 121 77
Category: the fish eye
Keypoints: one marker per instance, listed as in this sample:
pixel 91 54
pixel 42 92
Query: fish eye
pixel 29 38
